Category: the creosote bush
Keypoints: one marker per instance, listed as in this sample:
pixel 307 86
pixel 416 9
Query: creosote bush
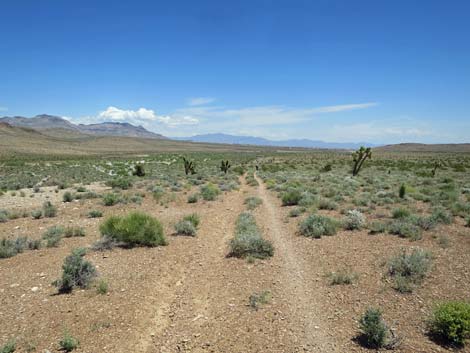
pixel 135 229
pixel 209 192
pixel 316 226
pixel 353 220
pixel 450 321
pixel 291 197
pixel 248 241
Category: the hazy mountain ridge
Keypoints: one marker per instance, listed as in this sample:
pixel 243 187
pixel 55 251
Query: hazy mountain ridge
pixel 260 141
pixel 49 123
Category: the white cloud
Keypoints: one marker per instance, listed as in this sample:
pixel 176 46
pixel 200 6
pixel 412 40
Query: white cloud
pixel 200 101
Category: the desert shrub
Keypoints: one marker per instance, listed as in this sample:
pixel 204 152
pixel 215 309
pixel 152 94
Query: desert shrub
pixel 184 227
pixel 111 198
pixel 105 243
pixel 134 229
pixel 408 270
pixel 400 212
pixel 102 287
pixel 49 210
pixel 95 214
pixel 402 191
pixel 139 170
pixel 68 343
pixel 193 198
pixel 158 192
pixel 307 199
pixel 291 197
pixel 8 248
pixel 451 321
pixel 440 215
pixel 36 214
pixel 193 218
pixel 119 183
pixel 252 202
pixel 342 277
pixel 354 220
pixel 248 241
pixel 296 212
pixel 405 229
pixel 250 180
pixel 238 170
pixel 377 227
pixel 53 235
pixel 9 347
pixel 326 204
pixel 3 216
pixel 374 330
pixel 209 192
pixel 74 232
pixel 76 272
pixel 316 226
pixel 256 300
pixel 68 197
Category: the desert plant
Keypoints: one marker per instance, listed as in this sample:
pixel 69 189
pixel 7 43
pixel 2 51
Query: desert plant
pixel 402 191
pixel 189 166
pixel 139 170
pixel 68 343
pixel 49 210
pixel 53 235
pixel 134 229
pixel 76 272
pixel 95 214
pixel 450 321
pixel 400 212
pixel 193 218
pixel 119 183
pixel 225 166
pixel 252 202
pixel 248 241
pixel 74 232
pixel 209 192
pixel 408 270
pixel 291 197
pixel 405 228
pixel 354 219
pixel 374 330
pixel 185 227
pixel 256 300
pixel 359 157
pixel 111 198
pixel 102 287
pixel 316 226
pixel 193 198
pixel 377 227
pixel 9 347
pixel 342 277
pixel 68 196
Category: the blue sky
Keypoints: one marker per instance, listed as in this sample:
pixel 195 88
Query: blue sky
pixel 376 71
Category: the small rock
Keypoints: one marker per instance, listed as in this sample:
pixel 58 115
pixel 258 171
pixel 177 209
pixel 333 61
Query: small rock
pixel 34 289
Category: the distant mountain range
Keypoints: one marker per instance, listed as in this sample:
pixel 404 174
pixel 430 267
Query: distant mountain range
pixel 50 124
pixel 259 141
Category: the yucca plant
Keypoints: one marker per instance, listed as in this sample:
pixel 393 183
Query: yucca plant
pixel 225 166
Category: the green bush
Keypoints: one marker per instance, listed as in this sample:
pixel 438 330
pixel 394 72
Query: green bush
pixel 209 192
pixel 36 214
pixel 49 210
pixel 193 198
pixel 248 241
pixel 53 235
pixel 95 214
pixel 374 329
pixel 451 321
pixel 316 226
pixel 135 229
pixel 291 197
pixel 404 228
pixel 185 227
pixel 74 232
pixel 377 227
pixel 9 347
pixel 252 202
pixel 408 270
pixel 68 197
pixel 402 191
pixel 353 220
pixel 401 212
pixel 342 277
pixel 68 343
pixel 326 204
pixel 193 218
pixel 76 272
pixel 111 198
pixel 119 183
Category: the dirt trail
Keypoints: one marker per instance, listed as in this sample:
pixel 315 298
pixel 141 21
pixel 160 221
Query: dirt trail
pixel 298 280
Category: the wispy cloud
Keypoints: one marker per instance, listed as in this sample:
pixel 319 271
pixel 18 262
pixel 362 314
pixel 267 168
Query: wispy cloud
pixel 200 101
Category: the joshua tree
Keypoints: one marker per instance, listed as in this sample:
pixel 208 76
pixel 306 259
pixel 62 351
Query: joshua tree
pixel 359 158
pixel 189 166
pixel 436 166
pixel 139 170
pixel 225 166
